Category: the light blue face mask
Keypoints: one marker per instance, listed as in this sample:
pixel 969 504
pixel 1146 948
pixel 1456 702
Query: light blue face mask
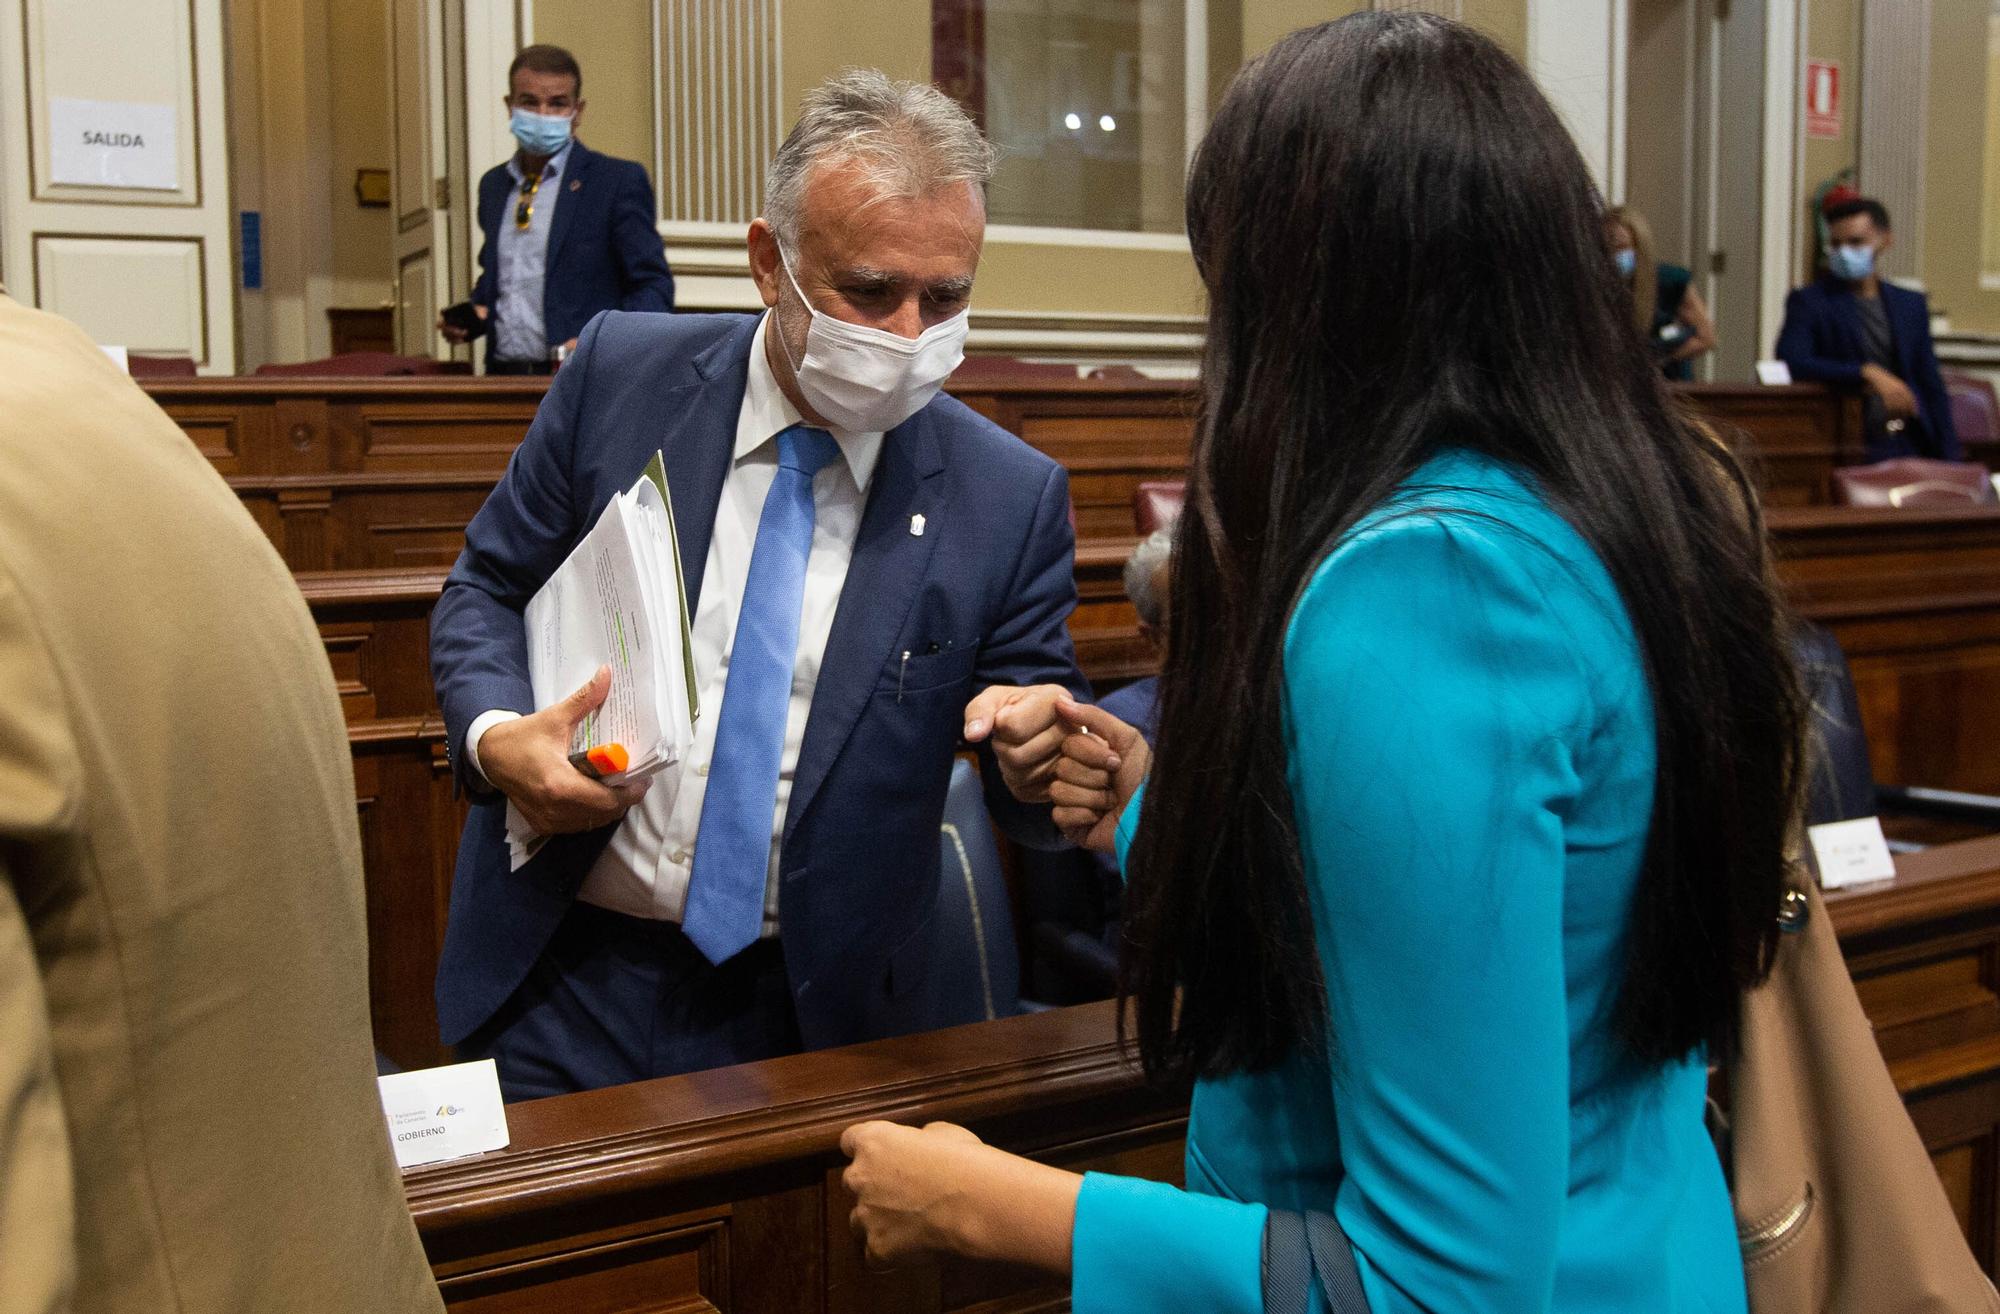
pixel 1852 263
pixel 1627 260
pixel 539 134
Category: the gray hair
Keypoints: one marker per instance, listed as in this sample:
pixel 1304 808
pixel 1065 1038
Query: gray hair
pixel 1144 563
pixel 910 138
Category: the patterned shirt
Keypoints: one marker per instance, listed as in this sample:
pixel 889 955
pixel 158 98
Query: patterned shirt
pixel 518 332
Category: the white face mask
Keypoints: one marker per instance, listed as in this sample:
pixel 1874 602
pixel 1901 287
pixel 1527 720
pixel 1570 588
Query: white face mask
pixel 866 380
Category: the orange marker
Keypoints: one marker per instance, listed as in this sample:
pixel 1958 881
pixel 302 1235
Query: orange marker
pixel 603 760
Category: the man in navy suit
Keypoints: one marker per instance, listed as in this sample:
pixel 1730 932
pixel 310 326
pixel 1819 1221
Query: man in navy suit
pixel 876 573
pixel 1853 327
pixel 568 232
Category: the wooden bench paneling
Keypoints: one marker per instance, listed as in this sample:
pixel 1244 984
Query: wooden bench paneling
pixel 372 474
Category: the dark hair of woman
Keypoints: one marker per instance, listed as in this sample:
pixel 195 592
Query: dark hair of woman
pixel 1403 252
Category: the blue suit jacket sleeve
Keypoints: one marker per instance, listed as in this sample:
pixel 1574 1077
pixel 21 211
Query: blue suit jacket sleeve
pixel 1031 645
pixel 1431 693
pixel 1927 381
pixel 486 289
pixel 1804 341
pixel 479 648
pixel 647 283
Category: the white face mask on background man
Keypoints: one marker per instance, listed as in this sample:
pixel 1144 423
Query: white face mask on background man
pixel 865 380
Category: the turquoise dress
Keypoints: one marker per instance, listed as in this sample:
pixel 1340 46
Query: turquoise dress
pixel 1471 753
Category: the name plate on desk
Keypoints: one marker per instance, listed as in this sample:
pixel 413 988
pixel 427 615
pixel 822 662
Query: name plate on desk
pixel 1851 852
pixel 444 1113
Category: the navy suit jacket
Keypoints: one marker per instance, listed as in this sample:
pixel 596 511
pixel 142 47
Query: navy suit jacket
pixel 1822 341
pixel 604 250
pixel 982 596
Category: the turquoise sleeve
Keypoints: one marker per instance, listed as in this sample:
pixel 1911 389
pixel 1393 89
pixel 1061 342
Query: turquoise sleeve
pixel 1433 687
pixel 1128 823
pixel 1435 681
pixel 1142 1245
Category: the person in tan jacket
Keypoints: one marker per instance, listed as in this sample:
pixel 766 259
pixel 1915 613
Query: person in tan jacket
pixel 188 1113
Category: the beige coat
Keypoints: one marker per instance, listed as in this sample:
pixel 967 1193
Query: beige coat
pixel 188 1115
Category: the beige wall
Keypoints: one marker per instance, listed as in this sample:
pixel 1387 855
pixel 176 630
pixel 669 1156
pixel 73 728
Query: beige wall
pixel 822 39
pixel 1989 209
pixel 1833 31
pixel 358 55
pixel 1264 21
pixel 612 42
pixel 1955 168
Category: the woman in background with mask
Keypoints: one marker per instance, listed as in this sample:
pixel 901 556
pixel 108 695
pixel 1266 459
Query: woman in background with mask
pixel 1466 827
pixel 1666 309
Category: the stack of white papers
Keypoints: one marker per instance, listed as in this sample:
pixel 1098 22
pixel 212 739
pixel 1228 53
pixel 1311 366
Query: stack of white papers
pixel 620 601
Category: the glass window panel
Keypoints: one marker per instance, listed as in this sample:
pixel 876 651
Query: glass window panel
pixel 1084 98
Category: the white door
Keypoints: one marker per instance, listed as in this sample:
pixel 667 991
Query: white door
pixel 114 172
pixel 421 190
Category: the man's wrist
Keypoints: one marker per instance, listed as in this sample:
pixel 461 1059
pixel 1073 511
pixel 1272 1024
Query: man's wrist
pixel 477 730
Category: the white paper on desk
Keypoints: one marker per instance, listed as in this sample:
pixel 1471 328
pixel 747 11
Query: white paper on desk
pixel 618 601
pixel 444 1113
pixel 1851 852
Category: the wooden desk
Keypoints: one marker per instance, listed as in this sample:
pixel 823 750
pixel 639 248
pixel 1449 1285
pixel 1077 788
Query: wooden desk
pixel 1914 598
pixel 721 1190
pixel 1793 437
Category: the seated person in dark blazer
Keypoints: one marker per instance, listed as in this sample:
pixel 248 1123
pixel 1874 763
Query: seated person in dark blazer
pixel 567 232
pixel 875 574
pixel 1147 573
pixel 1853 326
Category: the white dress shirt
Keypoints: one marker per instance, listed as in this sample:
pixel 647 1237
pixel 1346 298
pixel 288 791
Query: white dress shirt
pixel 644 870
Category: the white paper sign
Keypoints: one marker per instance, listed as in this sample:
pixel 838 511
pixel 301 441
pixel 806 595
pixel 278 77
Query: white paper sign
pixel 1851 852
pixel 1773 373
pixel 113 143
pixel 444 1113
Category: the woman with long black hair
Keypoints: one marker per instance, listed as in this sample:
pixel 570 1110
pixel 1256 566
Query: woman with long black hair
pixel 1466 828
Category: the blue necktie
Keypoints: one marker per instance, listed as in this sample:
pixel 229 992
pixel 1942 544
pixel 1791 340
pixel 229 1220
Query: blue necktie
pixel 732 849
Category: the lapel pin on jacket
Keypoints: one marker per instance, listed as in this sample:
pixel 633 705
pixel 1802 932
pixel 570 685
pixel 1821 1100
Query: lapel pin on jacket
pixel 917 525
pixel 576 184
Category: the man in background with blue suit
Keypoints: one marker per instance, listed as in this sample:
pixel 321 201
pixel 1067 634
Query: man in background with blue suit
pixel 567 232
pixel 875 574
pixel 1854 327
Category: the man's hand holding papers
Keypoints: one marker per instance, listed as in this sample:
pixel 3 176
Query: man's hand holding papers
pixel 614 615
pixel 528 761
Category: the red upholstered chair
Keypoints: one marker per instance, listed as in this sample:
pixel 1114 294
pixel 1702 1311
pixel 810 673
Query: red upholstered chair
pixel 1975 409
pixel 159 367
pixel 357 364
pixel 1914 481
pixel 1156 503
